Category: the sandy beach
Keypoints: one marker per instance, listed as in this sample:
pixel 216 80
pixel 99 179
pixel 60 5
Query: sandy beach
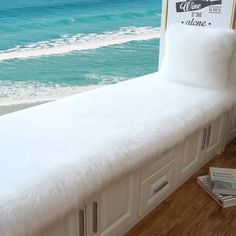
pixel 55 94
pixel 4 109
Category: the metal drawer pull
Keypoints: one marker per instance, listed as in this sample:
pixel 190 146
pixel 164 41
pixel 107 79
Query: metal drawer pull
pixel 204 138
pixel 161 186
pixel 208 135
pixel 81 223
pixel 95 217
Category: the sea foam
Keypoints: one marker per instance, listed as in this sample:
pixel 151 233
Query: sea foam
pixel 24 92
pixel 79 42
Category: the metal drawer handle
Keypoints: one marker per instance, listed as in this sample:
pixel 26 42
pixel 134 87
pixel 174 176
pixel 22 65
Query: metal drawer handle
pixel 81 223
pixel 204 138
pixel 208 135
pixel 161 186
pixel 95 217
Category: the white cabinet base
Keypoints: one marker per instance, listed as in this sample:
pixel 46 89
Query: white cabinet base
pixel 119 206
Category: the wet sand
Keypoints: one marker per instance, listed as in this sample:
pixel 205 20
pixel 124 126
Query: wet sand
pixel 16 107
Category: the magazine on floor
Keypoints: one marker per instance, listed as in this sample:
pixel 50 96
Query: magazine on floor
pixel 223 180
pixel 223 199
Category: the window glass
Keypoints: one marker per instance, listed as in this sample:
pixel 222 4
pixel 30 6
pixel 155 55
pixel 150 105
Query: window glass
pixel 54 48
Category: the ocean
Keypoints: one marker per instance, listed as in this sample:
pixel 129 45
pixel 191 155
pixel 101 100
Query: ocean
pixel 54 48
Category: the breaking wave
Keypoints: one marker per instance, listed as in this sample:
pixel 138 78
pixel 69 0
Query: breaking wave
pixel 80 42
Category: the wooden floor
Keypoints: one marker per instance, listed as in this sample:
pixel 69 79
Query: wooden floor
pixel 190 210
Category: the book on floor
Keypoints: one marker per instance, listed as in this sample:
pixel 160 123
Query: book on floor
pixel 222 199
pixel 223 180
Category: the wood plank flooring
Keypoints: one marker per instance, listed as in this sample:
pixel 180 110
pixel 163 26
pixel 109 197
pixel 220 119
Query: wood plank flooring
pixel 190 211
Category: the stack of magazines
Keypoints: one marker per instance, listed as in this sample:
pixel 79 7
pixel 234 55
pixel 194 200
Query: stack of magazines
pixel 221 185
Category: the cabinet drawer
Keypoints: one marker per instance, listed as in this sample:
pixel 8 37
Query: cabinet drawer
pixel 155 188
pixel 155 165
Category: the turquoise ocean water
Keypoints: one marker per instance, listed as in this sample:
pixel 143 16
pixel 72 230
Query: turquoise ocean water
pixel 52 48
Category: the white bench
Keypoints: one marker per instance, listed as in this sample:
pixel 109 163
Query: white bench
pixel 97 162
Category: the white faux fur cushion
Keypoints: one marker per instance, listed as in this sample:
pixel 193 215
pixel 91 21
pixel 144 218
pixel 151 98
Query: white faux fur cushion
pixel 197 56
pixel 56 156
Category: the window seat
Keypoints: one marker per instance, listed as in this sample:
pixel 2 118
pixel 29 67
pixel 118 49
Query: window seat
pixel 56 155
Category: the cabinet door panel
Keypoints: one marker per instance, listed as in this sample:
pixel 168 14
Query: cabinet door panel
pixel 117 207
pixel 58 229
pixel 191 156
pixel 68 226
pixel 214 130
pixel 233 122
pixel 214 139
pixel 232 125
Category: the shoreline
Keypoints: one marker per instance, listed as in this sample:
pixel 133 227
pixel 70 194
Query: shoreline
pixel 9 108
pixel 6 109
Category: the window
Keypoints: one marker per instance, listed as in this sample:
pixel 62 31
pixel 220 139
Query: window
pixel 53 48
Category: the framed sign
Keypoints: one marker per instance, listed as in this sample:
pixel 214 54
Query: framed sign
pixel 202 13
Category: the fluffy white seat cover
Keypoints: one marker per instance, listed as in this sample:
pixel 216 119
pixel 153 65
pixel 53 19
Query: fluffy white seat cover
pixel 56 155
